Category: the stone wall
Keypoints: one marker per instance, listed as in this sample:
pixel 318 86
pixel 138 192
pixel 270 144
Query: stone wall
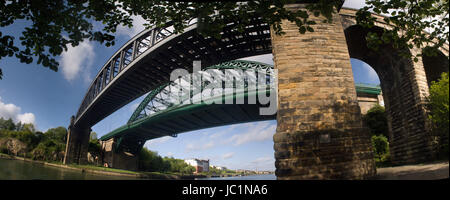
pixel 118 159
pixel 319 133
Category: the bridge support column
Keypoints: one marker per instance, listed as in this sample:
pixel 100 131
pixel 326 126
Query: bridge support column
pixel 77 144
pixel 118 159
pixel 319 133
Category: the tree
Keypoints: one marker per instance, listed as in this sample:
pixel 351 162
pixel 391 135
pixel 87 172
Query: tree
pixel 28 127
pixel 150 161
pixel 380 146
pixel 375 119
pixel 56 24
pixel 439 111
pixel 7 124
pixel 409 19
pixel 58 134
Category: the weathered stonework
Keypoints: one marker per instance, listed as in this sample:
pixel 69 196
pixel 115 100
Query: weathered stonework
pixel 117 159
pixel 319 133
pixel 405 89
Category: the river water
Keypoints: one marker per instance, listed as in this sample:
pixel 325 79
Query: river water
pixel 253 177
pixel 23 170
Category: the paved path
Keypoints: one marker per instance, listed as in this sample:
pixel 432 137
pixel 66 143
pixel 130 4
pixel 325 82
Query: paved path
pixel 415 172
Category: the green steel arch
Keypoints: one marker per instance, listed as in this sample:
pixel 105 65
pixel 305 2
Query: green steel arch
pixel 151 121
pixel 140 111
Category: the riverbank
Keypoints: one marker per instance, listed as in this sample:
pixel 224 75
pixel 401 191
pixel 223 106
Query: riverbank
pixel 107 171
pixel 426 171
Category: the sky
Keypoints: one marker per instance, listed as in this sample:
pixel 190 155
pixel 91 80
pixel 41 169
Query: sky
pixel 34 94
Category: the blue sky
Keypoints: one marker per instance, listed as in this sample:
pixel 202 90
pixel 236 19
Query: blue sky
pixel 34 94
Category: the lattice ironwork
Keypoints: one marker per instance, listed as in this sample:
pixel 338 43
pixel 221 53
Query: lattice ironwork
pixel 161 98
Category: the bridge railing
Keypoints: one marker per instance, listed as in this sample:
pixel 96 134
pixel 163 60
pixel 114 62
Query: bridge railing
pixel 122 59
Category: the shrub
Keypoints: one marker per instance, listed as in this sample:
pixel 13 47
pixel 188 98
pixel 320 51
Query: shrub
pixel 439 111
pixel 150 161
pixel 375 119
pixel 380 148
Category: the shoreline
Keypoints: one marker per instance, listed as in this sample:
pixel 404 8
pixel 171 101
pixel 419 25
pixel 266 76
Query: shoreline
pixel 125 173
pixel 85 169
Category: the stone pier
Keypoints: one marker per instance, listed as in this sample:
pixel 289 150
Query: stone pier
pixel 319 133
pixel 114 158
pixel 77 144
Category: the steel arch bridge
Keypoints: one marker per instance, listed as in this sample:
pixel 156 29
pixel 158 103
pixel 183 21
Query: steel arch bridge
pixel 160 114
pixel 146 61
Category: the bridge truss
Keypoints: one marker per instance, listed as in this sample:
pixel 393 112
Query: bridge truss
pixel 160 114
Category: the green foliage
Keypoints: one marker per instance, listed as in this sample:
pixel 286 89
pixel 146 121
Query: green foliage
pixel 58 134
pixel 94 147
pixel 178 165
pixel 380 146
pixel 71 21
pixel 56 24
pixel 410 18
pixel 151 161
pixel 48 150
pixel 7 124
pixel 29 138
pixel 47 146
pixel 439 112
pixel 375 119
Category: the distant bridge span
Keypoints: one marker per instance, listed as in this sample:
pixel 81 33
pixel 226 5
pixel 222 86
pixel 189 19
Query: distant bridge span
pixel 317 96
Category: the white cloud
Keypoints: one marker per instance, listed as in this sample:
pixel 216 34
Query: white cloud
pixel 157 141
pixel 228 155
pixel 12 111
pixel 78 60
pixel 255 132
pixel 195 147
pixel 262 163
pixel 27 118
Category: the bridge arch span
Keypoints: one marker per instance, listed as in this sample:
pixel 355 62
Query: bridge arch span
pixel 409 142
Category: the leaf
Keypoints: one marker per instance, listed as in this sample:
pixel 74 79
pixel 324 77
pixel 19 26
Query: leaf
pixel 302 30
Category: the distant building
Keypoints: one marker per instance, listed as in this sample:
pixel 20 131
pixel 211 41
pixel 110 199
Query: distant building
pixel 218 167
pixel 200 165
pixel 368 96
